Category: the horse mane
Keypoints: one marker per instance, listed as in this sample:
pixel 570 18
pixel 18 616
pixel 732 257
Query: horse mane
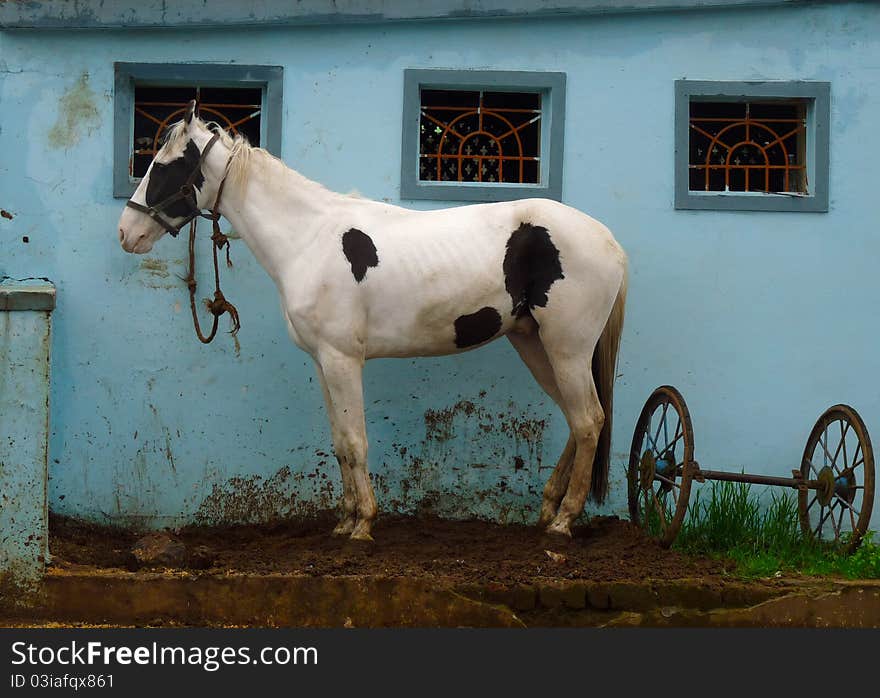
pixel 243 157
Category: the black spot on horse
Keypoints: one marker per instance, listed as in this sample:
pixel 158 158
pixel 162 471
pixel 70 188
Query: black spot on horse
pixel 477 327
pixel 531 265
pixel 360 252
pixel 167 178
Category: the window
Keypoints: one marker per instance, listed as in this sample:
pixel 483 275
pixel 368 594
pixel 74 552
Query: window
pixel 151 96
pixel 752 146
pixel 482 135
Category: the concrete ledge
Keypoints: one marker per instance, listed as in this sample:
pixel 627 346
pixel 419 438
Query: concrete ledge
pixel 140 14
pixel 26 294
pixel 116 597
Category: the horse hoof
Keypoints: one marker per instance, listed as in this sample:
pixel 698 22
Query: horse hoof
pixel 362 532
pixel 343 528
pixel 558 529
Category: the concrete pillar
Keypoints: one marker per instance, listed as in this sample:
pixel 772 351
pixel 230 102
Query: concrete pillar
pixel 25 325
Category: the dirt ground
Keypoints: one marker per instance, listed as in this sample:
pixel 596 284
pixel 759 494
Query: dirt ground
pixel 607 549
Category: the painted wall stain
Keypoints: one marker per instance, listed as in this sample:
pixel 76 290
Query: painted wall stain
pixel 77 113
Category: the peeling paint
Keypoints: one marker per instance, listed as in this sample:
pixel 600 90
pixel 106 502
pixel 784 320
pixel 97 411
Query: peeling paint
pixel 6 214
pixel 77 114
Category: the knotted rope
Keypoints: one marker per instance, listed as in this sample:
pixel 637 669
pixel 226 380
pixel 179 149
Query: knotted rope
pixel 219 305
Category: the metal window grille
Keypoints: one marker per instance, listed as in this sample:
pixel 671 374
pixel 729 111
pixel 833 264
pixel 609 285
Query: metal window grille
pixel 238 110
pixel 748 146
pixel 480 136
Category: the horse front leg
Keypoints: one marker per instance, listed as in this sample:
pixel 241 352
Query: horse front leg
pixel 343 376
pixel 348 504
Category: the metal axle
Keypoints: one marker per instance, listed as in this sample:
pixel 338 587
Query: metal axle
pixel 795 482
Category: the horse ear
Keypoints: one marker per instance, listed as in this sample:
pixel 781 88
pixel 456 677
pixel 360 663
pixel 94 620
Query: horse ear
pixel 190 110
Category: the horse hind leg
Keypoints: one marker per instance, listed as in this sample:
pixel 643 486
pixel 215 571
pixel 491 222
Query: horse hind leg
pixel 530 349
pixel 572 368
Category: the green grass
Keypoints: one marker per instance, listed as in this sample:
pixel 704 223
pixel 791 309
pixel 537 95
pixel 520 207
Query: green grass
pixel 764 538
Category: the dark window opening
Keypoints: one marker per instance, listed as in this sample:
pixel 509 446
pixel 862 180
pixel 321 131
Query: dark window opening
pixel 480 136
pixel 748 146
pixel 238 110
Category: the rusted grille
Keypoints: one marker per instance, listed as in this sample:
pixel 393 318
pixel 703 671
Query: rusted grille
pixel 478 136
pixel 238 110
pixel 748 146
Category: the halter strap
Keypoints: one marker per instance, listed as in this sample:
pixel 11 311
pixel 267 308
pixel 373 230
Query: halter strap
pixel 186 192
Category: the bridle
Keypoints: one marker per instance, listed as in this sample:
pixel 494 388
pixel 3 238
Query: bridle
pixel 219 304
pixel 187 193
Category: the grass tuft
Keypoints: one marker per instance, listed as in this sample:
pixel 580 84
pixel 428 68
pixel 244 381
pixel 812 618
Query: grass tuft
pixel 764 538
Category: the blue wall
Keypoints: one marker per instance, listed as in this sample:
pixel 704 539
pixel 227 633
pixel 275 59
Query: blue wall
pixel 761 319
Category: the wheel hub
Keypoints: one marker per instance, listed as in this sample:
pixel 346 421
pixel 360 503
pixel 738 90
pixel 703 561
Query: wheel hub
pixel 826 486
pixel 667 468
pixel 845 486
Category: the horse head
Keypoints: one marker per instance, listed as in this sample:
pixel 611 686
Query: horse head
pixel 178 184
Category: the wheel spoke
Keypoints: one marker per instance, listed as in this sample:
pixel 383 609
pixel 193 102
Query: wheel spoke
pixel 822 518
pixel 671 446
pixel 812 467
pixel 839 446
pixel 861 461
pixel 679 433
pixel 847 504
pixel 660 510
pixel 815 499
pixel 824 445
pixel 835 526
pixel 667 480
pixel 843 440
pixel 662 422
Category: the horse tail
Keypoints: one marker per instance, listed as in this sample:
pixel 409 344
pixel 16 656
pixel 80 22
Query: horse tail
pixel 604 372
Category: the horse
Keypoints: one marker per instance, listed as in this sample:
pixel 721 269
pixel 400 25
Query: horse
pixel 360 279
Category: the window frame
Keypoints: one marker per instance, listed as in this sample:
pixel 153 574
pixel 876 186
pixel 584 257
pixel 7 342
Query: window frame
pixel 818 96
pixel 268 78
pixel 552 87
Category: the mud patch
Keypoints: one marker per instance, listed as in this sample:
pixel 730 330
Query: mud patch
pixel 458 552
pixel 89 543
pixel 255 500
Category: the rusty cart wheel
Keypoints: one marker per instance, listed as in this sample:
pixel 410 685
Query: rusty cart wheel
pixel 839 460
pixel 661 465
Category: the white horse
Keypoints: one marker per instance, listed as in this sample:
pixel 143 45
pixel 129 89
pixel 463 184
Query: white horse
pixel 360 279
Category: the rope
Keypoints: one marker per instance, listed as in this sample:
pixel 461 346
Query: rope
pixel 219 305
